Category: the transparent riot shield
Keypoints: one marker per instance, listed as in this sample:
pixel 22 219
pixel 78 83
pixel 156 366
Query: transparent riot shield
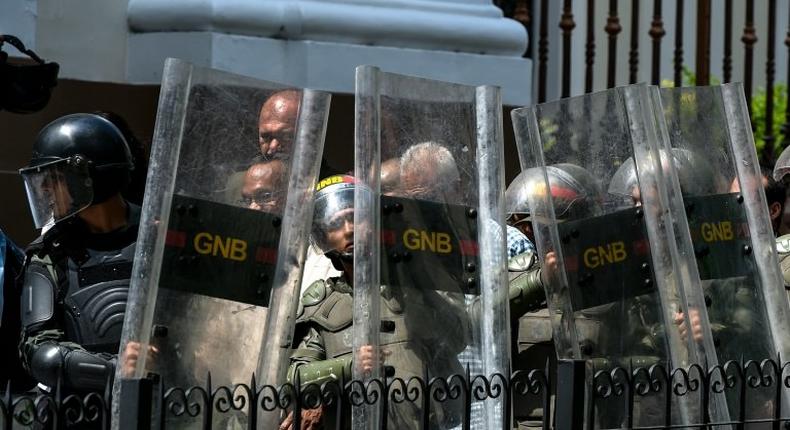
pixel 712 154
pixel 232 158
pixel 613 270
pixel 429 247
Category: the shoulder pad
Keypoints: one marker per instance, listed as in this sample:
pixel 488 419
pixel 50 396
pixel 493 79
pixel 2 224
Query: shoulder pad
pixel 314 294
pixel 38 296
pixel 522 262
pixel 333 312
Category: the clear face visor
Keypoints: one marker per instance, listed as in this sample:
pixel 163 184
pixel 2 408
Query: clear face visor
pixel 57 190
pixel 333 213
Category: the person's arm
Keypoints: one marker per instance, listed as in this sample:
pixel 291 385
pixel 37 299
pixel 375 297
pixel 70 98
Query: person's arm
pixel 309 360
pixel 44 349
pixel 526 293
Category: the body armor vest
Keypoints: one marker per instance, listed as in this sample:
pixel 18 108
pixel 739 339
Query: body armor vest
pixel 95 298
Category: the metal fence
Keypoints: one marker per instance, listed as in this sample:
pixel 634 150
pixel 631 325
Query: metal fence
pixel 533 14
pixel 575 405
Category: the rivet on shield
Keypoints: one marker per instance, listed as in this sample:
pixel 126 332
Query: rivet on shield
pixel 470 267
pixel 395 256
pixel 639 213
pixel 397 207
pixel 645 267
pixel 739 199
pixel 386 209
pixel 192 209
pixel 263 277
pixel 389 371
pixel 470 282
pixel 648 282
pixel 276 221
pixel 160 331
pixel 181 210
pixel 747 249
pixel 471 213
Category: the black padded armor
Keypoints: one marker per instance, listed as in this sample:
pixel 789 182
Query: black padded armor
pixel 38 296
pixel 95 299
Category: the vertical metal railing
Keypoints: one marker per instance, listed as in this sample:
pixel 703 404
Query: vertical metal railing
pixel 633 49
pixel 656 34
pixel 613 28
pixel 656 28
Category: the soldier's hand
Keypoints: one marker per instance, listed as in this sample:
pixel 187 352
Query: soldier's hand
pixel 696 325
pixel 311 419
pixel 368 358
pixel 131 355
pixel 549 268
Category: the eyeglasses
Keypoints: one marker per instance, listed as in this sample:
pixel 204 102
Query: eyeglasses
pixel 260 198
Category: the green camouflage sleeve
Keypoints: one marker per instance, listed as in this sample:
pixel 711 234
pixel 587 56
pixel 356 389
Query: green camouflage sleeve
pixel 309 359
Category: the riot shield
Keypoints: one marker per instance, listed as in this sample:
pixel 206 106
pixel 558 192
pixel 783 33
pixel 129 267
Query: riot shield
pixel 429 247
pixel 613 270
pixel 713 158
pixel 232 157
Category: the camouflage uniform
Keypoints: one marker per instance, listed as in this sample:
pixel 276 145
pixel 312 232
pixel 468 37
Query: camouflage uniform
pixel 783 249
pixel 325 343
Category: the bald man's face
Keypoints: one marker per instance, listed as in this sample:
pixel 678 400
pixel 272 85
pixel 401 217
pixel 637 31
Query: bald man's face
pixel 277 122
pixel 262 189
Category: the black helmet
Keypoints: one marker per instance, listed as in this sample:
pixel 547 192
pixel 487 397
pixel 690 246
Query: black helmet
pixel 78 160
pixel 575 193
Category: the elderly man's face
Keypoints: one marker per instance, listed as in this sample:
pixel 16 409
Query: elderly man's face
pixel 277 122
pixel 262 189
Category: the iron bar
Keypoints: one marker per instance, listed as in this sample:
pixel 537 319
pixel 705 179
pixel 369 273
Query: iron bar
pixel 749 38
pixel 727 61
pixel 770 72
pixel 703 42
pixel 656 33
pixel 612 28
pixel 567 25
pixel 786 125
pixel 678 55
pixel 633 52
pixel 543 50
pixel 589 47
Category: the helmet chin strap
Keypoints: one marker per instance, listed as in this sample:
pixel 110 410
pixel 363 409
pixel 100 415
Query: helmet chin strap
pixel 338 258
